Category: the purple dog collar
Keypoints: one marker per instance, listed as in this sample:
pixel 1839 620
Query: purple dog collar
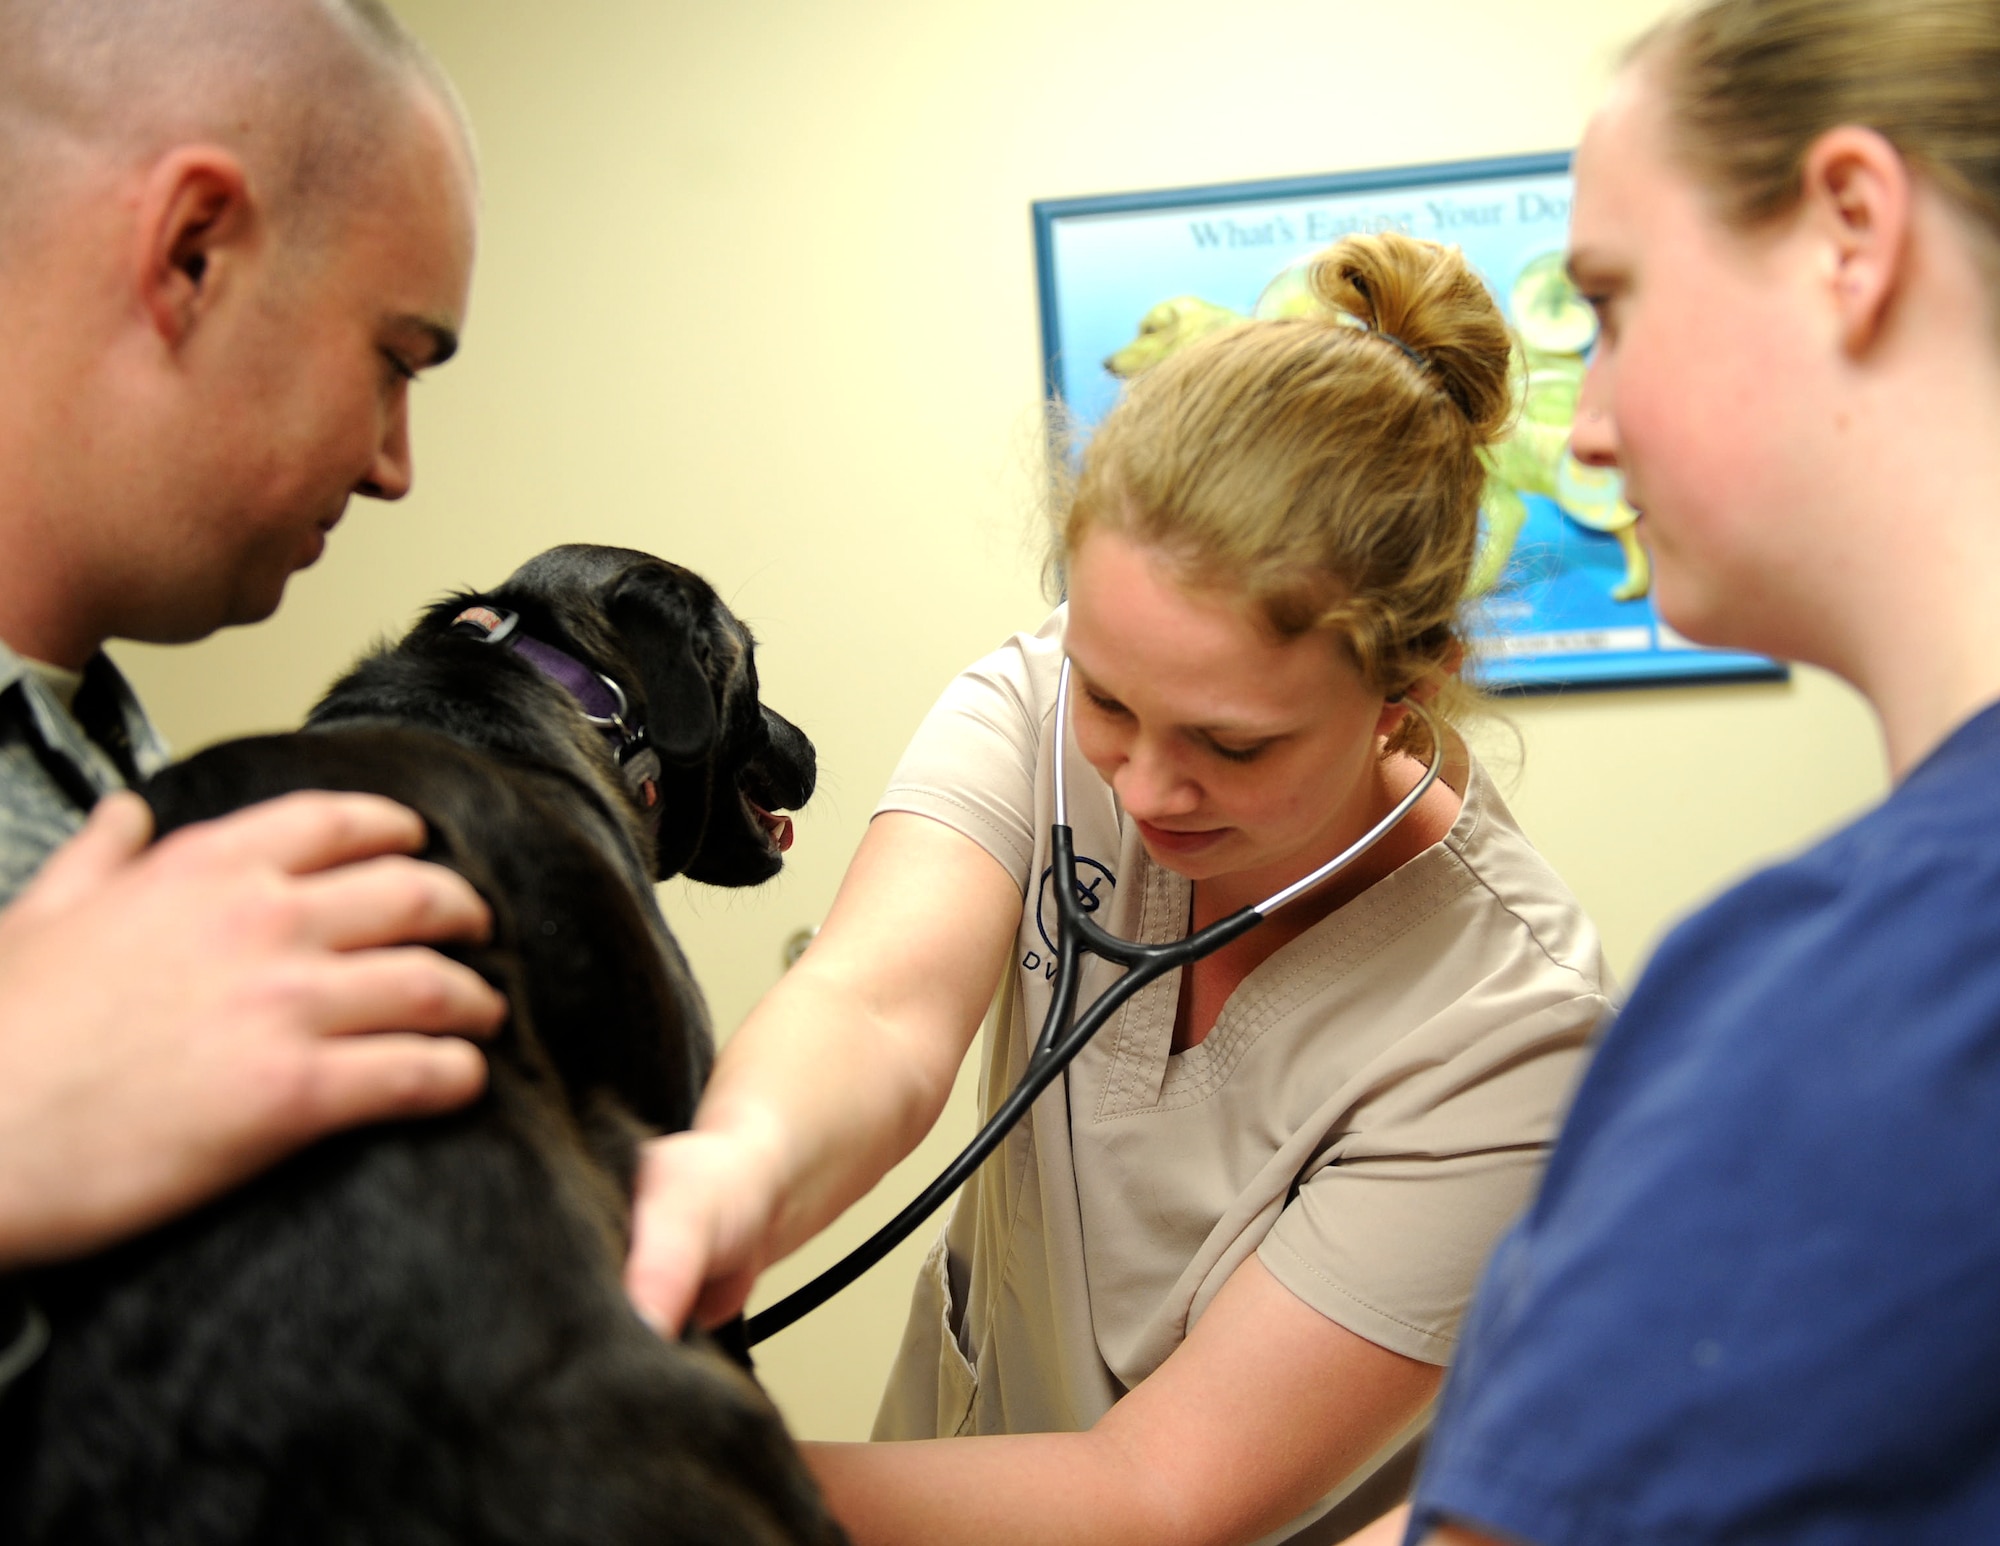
pixel 601 699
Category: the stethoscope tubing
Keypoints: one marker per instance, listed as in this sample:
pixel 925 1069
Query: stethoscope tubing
pixel 1076 933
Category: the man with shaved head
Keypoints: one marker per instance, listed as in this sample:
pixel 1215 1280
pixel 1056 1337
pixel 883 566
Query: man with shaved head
pixel 232 232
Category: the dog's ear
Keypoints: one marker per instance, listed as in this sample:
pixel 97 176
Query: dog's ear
pixel 659 626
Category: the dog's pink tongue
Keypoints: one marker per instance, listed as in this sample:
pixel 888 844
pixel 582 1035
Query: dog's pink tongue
pixel 778 825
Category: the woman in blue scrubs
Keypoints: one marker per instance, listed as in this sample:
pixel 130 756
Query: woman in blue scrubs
pixel 1758 1299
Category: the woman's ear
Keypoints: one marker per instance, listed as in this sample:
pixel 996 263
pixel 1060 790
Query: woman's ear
pixel 1855 192
pixel 1425 689
pixel 194 216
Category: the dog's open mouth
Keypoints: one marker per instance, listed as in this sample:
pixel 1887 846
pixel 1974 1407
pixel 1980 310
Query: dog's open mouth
pixel 777 779
pixel 777 826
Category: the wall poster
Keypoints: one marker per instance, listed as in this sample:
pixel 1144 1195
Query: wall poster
pixel 1560 591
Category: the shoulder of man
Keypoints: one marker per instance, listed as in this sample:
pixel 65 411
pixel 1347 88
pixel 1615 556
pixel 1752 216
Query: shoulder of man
pixel 52 770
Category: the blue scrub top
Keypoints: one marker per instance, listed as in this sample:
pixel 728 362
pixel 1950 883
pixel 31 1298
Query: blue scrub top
pixel 1758 1298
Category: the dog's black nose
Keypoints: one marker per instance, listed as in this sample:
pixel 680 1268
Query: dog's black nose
pixel 789 768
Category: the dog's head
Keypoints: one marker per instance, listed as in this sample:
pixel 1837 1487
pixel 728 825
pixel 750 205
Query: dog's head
pixel 625 674
pixel 728 767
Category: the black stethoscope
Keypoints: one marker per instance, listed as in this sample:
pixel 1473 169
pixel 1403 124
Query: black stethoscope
pixel 1076 934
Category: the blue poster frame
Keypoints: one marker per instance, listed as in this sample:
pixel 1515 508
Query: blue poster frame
pixel 1552 620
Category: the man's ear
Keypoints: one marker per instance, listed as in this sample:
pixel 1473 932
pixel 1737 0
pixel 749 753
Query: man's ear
pixel 1856 191
pixel 195 215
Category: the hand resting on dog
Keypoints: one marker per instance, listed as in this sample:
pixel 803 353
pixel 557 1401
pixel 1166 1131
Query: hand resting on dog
pixel 174 1019
pixel 413 1332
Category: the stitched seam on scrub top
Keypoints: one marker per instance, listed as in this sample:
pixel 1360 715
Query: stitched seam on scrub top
pixel 1457 842
pixel 1008 849
pixel 1534 935
pixel 1314 1270
pixel 1303 978
pixel 1129 1078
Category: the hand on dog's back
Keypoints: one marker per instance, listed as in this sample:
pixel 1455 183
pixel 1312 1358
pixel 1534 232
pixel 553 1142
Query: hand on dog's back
pixel 414 1332
pixel 190 1012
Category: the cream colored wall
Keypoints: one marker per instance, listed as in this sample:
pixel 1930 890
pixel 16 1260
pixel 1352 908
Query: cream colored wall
pixel 756 292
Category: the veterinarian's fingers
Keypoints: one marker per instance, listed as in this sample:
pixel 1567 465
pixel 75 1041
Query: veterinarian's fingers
pixel 411 989
pixel 117 830
pixel 380 1078
pixel 661 1281
pixel 723 1299
pixel 391 901
pixel 696 1232
pixel 664 1269
pixel 312 830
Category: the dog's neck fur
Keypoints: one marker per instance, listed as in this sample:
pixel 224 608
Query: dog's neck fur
pixel 504 706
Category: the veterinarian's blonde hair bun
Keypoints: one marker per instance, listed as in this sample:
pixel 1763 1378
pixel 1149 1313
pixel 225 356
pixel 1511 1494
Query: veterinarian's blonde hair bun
pixel 1330 472
pixel 1426 298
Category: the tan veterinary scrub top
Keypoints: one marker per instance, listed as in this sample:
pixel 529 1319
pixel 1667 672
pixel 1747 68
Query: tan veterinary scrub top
pixel 1369 1111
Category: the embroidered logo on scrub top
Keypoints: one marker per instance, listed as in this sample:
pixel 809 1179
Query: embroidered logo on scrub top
pixel 1094 884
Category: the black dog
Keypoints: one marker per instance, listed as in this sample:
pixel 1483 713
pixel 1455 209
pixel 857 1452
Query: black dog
pixel 415 1333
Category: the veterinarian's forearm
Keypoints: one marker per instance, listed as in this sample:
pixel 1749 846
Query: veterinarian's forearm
pixel 819 1089
pixel 1266 1405
pixel 1032 1489
pixel 805 1111
pixel 835 1075
pixel 846 1063
pixel 785 1138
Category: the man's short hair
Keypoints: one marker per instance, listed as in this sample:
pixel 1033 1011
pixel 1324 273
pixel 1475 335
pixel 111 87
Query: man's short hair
pixel 308 92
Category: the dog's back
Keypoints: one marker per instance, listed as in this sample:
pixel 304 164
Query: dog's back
pixel 415 1333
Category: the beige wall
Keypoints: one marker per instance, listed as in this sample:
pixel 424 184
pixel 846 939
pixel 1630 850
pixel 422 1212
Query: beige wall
pixel 756 292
